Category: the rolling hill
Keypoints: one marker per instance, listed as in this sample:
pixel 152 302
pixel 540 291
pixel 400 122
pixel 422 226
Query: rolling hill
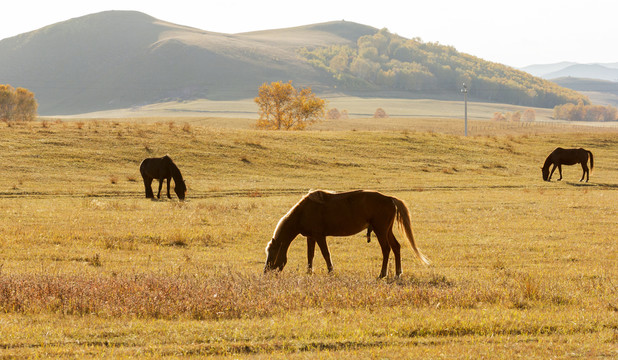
pixel 124 59
pixel 119 59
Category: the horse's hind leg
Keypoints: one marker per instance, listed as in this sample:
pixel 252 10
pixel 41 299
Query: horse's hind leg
pixel 392 241
pixel 148 187
pixel 386 250
pixel 369 230
pixel 586 172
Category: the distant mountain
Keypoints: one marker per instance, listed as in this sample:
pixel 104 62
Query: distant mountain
pixel 122 59
pixel 607 72
pixel 586 71
pixel 541 70
pixel 119 59
pixel 600 92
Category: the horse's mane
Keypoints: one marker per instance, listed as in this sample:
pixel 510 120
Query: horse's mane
pixel 317 195
pixel 548 162
pixel 285 217
pixel 178 180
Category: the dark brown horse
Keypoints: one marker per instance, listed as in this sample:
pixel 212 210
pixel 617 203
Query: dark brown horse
pixel 320 214
pixel 562 156
pixel 160 169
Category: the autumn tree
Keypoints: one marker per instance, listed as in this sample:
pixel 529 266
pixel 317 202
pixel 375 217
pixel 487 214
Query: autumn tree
pixel 283 107
pixel 380 114
pixel 7 102
pixel 529 115
pixel 17 104
pixel 333 114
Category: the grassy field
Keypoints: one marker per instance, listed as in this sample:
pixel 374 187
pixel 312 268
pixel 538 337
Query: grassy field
pixel 520 268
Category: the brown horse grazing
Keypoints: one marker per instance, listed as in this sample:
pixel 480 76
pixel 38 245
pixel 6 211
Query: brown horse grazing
pixel 562 156
pixel 162 168
pixel 320 214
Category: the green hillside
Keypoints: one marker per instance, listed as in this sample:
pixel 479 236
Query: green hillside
pixel 385 61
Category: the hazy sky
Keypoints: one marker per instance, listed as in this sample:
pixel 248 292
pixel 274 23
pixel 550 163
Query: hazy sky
pixel 515 33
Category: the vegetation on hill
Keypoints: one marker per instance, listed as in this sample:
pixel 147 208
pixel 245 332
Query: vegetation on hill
pixel 388 61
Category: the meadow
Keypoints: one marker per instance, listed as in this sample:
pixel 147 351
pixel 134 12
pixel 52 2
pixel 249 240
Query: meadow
pixel 89 268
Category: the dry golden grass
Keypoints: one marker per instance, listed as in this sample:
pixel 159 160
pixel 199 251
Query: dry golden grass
pixel 89 268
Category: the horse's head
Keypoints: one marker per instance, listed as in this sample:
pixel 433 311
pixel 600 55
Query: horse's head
pixel 545 171
pixel 181 190
pixel 272 250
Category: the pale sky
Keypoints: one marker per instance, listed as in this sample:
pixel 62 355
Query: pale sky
pixel 515 33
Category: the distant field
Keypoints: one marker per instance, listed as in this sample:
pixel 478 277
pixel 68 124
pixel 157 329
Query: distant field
pixel 357 107
pixel 521 268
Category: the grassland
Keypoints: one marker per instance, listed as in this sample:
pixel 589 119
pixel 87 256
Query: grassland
pixel 520 268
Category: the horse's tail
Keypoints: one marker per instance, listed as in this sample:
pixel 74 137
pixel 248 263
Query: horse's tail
pixel 403 219
pixel 591 159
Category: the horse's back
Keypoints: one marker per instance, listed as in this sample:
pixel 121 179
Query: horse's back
pixel 154 167
pixel 570 156
pixel 343 214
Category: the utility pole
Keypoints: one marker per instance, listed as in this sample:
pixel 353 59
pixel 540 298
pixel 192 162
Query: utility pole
pixel 464 90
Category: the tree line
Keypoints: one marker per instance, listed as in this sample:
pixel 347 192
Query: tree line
pixel 583 112
pixel 388 61
pixel 17 104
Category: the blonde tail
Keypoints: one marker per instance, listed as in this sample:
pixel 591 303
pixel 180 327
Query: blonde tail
pixel 403 219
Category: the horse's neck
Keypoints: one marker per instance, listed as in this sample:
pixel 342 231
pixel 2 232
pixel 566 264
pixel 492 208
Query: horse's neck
pixel 548 162
pixel 175 172
pixel 287 228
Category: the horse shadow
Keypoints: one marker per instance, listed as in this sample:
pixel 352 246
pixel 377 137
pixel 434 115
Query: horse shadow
pixel 600 185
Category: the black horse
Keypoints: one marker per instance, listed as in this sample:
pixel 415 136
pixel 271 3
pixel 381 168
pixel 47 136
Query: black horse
pixel 162 168
pixel 562 156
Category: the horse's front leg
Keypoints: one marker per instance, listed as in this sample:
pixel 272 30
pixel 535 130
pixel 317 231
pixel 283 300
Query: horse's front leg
pixel 560 171
pixel 552 172
pixel 160 186
pixel 321 240
pixel 168 187
pixel 310 253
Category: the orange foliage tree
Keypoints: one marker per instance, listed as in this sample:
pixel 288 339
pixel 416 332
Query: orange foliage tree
pixel 582 112
pixel 17 105
pixel 283 107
